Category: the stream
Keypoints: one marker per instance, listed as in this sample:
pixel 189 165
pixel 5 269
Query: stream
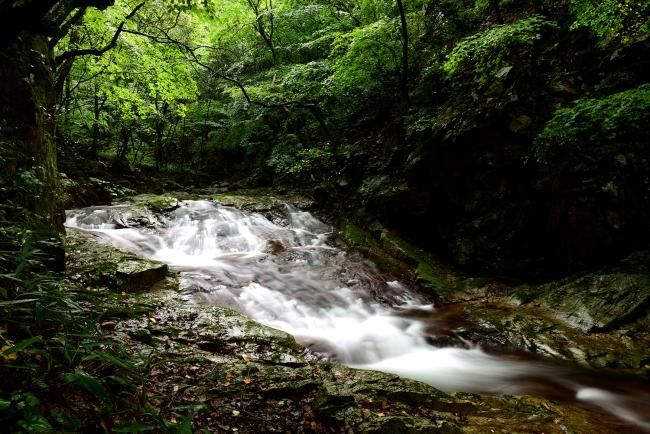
pixel 287 273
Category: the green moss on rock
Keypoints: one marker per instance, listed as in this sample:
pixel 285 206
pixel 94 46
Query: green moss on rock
pixel 356 237
pixel 161 203
pixel 138 274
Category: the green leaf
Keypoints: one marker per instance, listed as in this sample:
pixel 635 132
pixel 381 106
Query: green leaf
pixel 134 427
pixel 4 404
pixel 66 420
pixel 121 379
pixel 105 357
pixel 19 346
pixel 14 302
pixel 88 383
pixel 36 423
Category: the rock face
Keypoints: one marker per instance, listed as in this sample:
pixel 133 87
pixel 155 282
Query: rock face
pixel 598 320
pixel 138 274
pixel 597 302
pixel 126 216
pixel 106 265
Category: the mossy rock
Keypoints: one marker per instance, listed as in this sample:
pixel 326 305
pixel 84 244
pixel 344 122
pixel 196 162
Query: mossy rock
pixel 346 385
pixel 598 301
pixel 356 237
pixel 403 250
pixel 431 278
pixel 161 203
pixel 95 261
pixel 137 274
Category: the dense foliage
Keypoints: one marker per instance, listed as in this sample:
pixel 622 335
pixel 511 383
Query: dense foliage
pixel 485 52
pixel 610 127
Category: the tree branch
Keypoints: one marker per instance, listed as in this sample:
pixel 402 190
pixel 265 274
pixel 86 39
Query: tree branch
pixel 65 27
pixel 313 108
pixel 98 52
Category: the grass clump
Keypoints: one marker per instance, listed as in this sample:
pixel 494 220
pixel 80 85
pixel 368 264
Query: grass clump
pixel 59 370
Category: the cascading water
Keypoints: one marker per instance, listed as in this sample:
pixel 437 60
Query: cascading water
pixel 284 274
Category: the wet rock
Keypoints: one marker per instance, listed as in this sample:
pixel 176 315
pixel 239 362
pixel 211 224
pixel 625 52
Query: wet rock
pixel 137 274
pixel 92 260
pixel 275 246
pixel 122 216
pixel 263 202
pixel 349 385
pixel 160 204
pixel 370 401
pixel 597 302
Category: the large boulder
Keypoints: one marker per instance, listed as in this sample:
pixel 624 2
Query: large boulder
pixel 137 274
pixel 598 301
pixel 91 260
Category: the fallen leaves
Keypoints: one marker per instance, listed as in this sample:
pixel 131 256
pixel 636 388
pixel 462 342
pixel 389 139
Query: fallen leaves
pixel 9 357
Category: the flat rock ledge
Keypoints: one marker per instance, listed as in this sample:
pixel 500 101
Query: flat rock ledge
pixel 100 263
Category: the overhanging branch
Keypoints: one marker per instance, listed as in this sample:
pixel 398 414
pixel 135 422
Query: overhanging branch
pixel 312 107
pixel 99 51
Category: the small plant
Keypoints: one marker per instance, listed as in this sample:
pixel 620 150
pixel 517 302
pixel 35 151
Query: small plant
pixel 485 53
pixel 624 19
pixel 24 408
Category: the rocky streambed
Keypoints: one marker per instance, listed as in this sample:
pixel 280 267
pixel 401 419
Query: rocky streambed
pixel 237 374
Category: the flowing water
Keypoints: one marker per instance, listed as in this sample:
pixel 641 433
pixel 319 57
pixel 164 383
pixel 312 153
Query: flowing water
pixel 288 274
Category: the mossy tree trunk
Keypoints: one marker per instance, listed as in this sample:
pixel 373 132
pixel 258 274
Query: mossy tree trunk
pixel 27 95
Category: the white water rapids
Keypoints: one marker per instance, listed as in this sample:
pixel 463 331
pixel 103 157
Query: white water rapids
pixel 286 274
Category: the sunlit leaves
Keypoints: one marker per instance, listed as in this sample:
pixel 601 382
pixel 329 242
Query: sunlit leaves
pixel 616 124
pixel 623 19
pixel 366 56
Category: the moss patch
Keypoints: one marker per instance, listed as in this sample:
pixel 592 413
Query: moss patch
pixel 161 203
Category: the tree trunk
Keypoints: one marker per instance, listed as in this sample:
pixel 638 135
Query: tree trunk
pixel 96 113
pixel 27 96
pixel 403 82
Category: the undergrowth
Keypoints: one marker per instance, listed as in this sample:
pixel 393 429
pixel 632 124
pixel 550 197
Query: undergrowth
pixel 58 370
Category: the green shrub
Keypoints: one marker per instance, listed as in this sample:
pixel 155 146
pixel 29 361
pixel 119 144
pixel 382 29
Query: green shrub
pixel 593 128
pixel 366 58
pixel 313 160
pixel 485 53
pixel 623 19
pixel 290 157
